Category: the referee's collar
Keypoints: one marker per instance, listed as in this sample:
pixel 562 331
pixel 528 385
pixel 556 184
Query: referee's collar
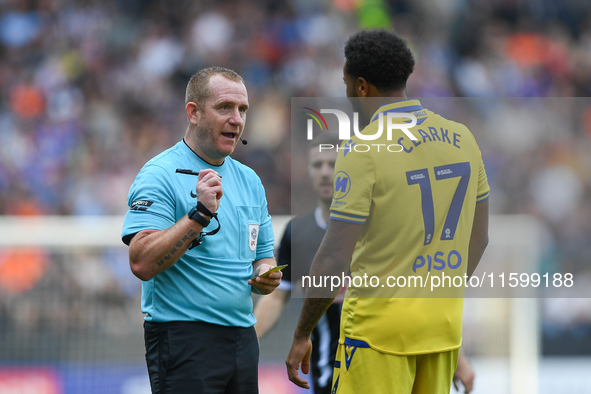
pixel 399 106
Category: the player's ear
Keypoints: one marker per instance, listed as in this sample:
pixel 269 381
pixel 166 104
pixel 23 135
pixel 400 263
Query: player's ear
pixel 192 110
pixel 362 87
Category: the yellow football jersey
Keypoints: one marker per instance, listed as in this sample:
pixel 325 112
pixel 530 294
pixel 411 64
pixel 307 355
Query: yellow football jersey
pixel 416 201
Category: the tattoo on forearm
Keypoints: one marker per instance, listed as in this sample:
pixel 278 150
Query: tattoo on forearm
pixel 312 311
pixel 189 236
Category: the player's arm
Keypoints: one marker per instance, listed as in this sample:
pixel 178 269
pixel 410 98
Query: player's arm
pixel 268 310
pixel 479 237
pixel 464 373
pixel 264 285
pixel 153 251
pixel 333 258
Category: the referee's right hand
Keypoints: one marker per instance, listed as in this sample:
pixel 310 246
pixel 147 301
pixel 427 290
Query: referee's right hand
pixel 209 189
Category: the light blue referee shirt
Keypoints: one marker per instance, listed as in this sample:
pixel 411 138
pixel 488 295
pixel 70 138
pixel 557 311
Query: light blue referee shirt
pixel 210 282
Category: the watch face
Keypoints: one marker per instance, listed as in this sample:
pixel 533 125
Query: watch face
pixel 194 214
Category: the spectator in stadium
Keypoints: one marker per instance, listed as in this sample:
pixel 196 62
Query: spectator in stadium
pixel 198 277
pixel 384 220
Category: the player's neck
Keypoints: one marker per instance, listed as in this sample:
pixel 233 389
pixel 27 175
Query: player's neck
pixel 379 99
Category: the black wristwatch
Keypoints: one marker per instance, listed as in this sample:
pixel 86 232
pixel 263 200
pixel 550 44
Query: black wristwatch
pixel 194 214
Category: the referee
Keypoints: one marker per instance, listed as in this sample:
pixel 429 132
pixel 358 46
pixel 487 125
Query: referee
pixel 199 234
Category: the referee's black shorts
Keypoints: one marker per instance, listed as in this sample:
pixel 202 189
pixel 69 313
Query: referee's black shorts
pixel 198 357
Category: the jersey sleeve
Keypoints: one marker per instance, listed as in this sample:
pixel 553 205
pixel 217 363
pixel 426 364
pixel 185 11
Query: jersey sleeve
pixel 483 187
pixel 354 181
pixel 151 202
pixel 266 239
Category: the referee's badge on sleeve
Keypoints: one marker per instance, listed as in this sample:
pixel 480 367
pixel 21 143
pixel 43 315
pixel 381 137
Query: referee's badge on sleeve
pixel 253 236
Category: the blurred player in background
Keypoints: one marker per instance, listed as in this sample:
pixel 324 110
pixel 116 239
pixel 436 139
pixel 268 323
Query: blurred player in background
pixel 301 240
pixel 199 333
pixel 396 210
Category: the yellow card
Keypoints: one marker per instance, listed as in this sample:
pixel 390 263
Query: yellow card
pixel 274 269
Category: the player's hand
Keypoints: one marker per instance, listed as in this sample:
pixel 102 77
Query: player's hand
pixel 299 356
pixel 209 189
pixel 465 374
pixel 265 285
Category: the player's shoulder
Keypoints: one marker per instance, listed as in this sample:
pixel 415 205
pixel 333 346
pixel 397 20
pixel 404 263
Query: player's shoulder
pixel 439 121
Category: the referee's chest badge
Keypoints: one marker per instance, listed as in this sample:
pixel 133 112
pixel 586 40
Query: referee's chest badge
pixel 253 236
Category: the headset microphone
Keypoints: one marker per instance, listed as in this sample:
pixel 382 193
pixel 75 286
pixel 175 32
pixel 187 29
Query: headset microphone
pixel 244 142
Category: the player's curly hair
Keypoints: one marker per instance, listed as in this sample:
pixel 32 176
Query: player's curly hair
pixel 381 57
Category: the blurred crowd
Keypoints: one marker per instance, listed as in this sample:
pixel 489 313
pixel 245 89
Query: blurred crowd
pixel 68 304
pixel 90 90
